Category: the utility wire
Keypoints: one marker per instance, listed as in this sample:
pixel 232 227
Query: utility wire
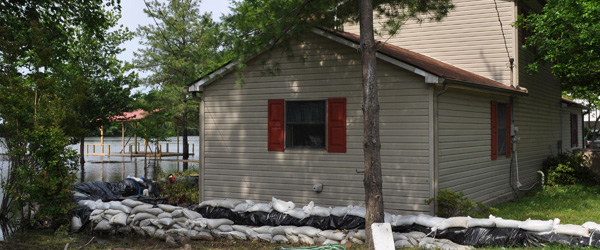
pixel 502 29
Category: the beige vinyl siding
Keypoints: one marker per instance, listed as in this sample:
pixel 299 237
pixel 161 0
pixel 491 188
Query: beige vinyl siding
pixel 465 146
pixel 238 165
pixel 566 128
pixel 469 37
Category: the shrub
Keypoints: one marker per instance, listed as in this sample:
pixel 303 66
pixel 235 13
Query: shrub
pixel 451 204
pixel 181 191
pixel 568 169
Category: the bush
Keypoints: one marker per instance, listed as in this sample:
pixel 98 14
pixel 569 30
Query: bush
pixel 181 191
pixel 568 169
pixel 451 204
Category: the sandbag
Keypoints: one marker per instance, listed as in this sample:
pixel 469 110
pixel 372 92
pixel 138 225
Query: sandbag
pixel 154 211
pixel 138 230
pixel 116 205
pixel 131 203
pixel 283 230
pixel 280 239
pixel 539 225
pixel 238 235
pixel 160 234
pixel 592 226
pixel 339 211
pixel 428 221
pixel 146 222
pixel 124 229
pixel 252 235
pixel 404 220
pixel 330 242
pixel 150 230
pixel 332 234
pixel 192 215
pixel 360 234
pixel 402 244
pixel 297 213
pixel 215 223
pixel 573 230
pixel 282 206
pixel 103 225
pixel 260 207
pixel 240 228
pixel 306 240
pixel 453 222
pixel 502 223
pixel 141 208
pixel 263 229
pixel 309 231
pixel 473 222
pixel 167 222
pixel 266 237
pixel 227 203
pixel 293 239
pixel 177 213
pixel 225 228
pixel 76 224
pixel 242 207
pixel 201 235
pixel 168 208
pixel 357 211
pixel 143 216
pixel 119 219
pixel 112 211
pixel 164 215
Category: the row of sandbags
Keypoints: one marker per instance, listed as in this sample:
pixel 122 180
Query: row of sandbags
pixel 163 221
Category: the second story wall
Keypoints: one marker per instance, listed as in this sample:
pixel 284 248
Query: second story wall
pixel 469 37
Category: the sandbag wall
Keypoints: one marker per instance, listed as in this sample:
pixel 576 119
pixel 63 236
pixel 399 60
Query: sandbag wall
pixel 282 222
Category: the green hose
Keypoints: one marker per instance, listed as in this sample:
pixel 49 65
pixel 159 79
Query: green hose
pixel 324 247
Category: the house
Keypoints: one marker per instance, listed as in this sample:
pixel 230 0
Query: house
pixel 450 105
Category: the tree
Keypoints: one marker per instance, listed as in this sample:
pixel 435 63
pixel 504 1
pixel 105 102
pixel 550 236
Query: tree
pixel 35 42
pixel 255 25
pixel 95 83
pixel 181 46
pixel 566 35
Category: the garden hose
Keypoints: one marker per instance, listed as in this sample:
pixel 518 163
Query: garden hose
pixel 324 247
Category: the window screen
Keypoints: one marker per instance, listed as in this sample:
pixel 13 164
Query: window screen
pixel 305 124
pixel 501 126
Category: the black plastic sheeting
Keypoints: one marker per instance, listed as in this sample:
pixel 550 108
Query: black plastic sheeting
pixel 108 191
pixel 275 218
pixel 477 236
pixel 83 212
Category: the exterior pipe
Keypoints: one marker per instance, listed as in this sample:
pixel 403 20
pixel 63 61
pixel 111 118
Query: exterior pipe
pixel 436 146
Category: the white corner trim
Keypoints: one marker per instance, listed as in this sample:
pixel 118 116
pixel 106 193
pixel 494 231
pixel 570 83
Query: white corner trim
pixel 429 77
pixel 198 86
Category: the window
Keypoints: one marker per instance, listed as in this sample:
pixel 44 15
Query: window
pixel 501 126
pixel 574 132
pixel 307 124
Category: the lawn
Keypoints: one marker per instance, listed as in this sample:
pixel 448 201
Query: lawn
pixel 571 204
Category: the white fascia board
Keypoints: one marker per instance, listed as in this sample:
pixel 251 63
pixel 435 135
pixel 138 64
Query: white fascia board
pixel 429 77
pixel 198 86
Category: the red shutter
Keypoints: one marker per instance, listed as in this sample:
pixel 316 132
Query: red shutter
pixel 508 131
pixel 493 116
pixel 275 126
pixel 336 125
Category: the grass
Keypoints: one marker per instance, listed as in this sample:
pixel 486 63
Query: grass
pixel 574 204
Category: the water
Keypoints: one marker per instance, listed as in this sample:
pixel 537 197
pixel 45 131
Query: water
pixel 115 168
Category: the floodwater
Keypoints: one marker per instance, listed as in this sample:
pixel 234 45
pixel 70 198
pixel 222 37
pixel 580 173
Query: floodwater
pixel 115 167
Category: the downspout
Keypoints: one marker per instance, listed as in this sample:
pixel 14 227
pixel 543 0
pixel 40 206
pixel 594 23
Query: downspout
pixel 436 141
pixel 201 169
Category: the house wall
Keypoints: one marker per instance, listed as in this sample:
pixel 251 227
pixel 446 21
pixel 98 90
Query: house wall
pixel 238 165
pixel 469 37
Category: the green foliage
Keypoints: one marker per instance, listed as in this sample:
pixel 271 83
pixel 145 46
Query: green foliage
pixel 568 169
pixel 451 204
pixel 566 34
pixel 182 191
pixel 256 25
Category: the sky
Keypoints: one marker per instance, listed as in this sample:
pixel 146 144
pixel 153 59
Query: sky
pixel 133 15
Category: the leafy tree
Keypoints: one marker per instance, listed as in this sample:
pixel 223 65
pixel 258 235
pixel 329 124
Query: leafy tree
pixel 566 34
pixel 181 45
pixel 37 38
pixel 95 82
pixel 255 25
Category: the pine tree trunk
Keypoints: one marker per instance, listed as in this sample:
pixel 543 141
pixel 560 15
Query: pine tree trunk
pixel 82 157
pixel 372 146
